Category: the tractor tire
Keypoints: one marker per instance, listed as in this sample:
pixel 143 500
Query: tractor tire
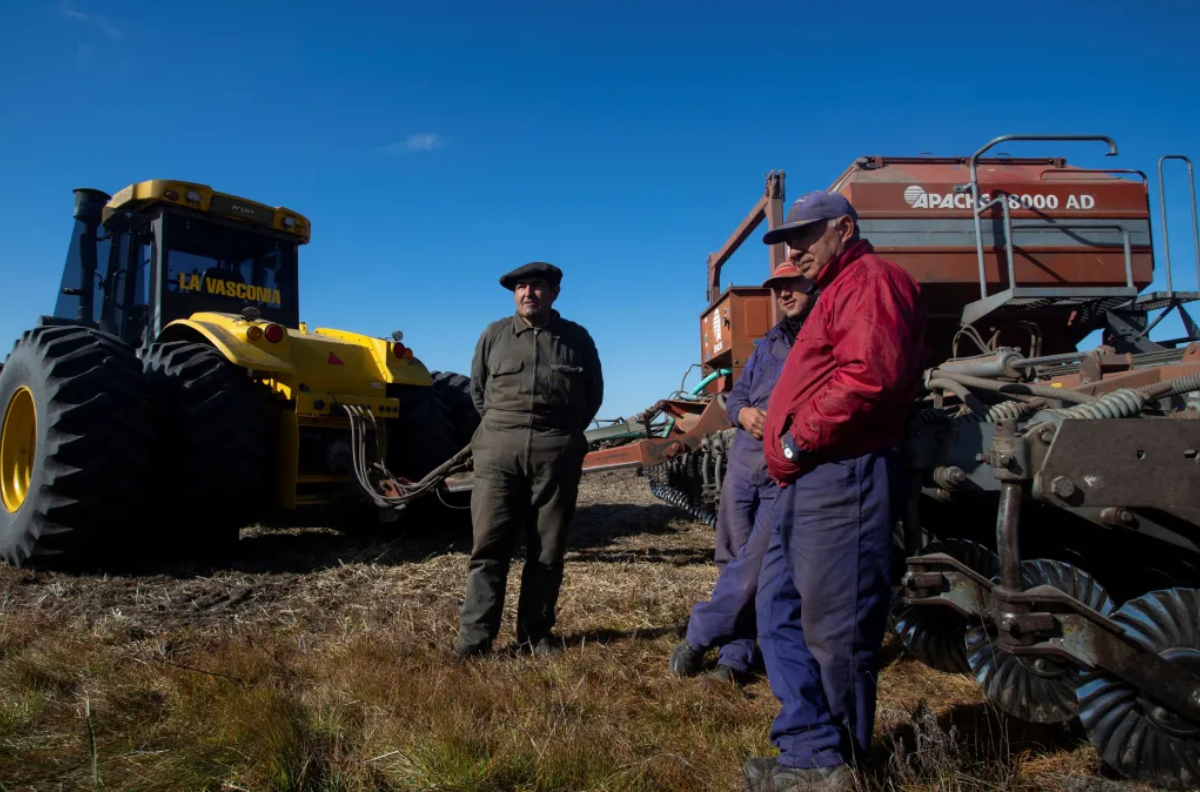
pixel 75 444
pixel 215 448
pixel 455 391
pixel 424 435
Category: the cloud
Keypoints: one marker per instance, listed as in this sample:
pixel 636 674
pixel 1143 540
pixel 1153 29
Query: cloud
pixel 421 141
pixel 96 21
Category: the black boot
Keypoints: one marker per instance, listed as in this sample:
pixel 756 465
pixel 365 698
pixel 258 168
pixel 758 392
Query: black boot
pixel 463 651
pixel 759 777
pixel 547 647
pixel 728 675
pixel 685 661
pixel 755 772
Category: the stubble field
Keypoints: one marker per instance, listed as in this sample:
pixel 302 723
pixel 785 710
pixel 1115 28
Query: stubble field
pixel 319 661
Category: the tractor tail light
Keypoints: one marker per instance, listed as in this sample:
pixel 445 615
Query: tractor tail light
pixel 274 333
pixel 399 350
pixel 254 333
pixel 408 354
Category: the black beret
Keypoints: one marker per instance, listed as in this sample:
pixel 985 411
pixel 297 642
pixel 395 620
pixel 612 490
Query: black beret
pixel 534 269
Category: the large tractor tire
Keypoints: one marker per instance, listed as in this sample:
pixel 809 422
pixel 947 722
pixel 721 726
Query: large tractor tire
pixel 75 444
pixel 435 423
pixel 455 391
pixel 215 449
pixel 424 435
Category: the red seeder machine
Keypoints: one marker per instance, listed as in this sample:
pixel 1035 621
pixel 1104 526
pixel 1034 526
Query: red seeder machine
pixel 1051 543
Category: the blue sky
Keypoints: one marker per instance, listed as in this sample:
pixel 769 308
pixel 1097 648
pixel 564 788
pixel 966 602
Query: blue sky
pixel 436 147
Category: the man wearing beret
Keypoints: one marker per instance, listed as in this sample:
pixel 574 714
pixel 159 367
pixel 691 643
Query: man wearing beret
pixel 831 440
pixel 537 383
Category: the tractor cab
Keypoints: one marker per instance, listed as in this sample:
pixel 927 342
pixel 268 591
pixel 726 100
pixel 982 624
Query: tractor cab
pixel 159 251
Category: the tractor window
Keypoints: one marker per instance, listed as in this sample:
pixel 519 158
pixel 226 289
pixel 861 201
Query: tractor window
pixel 208 267
pixel 76 292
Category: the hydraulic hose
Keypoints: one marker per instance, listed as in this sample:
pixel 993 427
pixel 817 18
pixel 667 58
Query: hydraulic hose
pixel 696 392
pixel 1019 388
pixel 1129 402
pixel 1172 387
pixel 1008 410
pixel 958 389
pixel 1123 403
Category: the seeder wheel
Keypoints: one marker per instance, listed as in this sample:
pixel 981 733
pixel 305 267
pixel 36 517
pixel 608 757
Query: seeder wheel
pixel 1136 736
pixel 935 635
pixel 1036 689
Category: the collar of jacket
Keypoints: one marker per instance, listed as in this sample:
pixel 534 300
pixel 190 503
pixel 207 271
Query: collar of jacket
pixel 520 325
pixel 776 333
pixel 838 265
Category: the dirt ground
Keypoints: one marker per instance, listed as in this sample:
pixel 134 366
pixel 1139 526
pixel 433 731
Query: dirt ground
pixel 317 660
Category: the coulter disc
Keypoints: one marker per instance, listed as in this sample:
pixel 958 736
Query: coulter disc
pixel 934 635
pixel 1038 689
pixel 1135 735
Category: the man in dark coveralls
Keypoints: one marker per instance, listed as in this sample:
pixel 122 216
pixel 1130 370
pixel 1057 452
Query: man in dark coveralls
pixel 537 383
pixel 744 519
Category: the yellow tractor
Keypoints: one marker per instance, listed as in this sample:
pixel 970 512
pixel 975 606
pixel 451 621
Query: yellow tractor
pixel 175 397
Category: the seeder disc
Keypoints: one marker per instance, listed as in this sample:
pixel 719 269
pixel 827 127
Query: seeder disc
pixel 934 635
pixel 1038 689
pixel 1135 735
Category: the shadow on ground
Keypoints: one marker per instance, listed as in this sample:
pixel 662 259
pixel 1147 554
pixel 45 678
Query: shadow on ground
pixel 411 539
pixel 973 740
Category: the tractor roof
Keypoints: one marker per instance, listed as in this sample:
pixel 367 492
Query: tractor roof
pixel 202 198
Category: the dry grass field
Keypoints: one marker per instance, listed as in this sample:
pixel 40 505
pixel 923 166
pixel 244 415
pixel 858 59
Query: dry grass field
pixel 318 661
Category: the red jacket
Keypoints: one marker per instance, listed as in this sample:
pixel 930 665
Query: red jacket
pixel 855 369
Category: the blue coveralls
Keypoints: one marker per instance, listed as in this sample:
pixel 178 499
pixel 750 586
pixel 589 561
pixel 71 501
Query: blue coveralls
pixel 743 519
pixel 830 549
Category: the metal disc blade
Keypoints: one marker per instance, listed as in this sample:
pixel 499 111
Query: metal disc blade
pixel 1134 735
pixel 1040 689
pixel 932 634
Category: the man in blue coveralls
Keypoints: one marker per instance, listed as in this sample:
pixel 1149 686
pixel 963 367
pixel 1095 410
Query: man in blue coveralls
pixel 743 517
pixel 832 435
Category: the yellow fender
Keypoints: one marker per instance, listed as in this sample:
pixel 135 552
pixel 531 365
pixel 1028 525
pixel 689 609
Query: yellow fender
pixel 229 337
pixel 359 357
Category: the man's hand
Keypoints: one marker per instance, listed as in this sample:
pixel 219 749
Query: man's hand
pixel 751 419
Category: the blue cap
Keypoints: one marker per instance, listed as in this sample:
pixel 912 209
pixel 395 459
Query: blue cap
pixel 808 209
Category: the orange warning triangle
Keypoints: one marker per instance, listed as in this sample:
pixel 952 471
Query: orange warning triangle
pixel 334 360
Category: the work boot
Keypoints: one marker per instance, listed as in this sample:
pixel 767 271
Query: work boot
pixel 756 770
pixel 685 661
pixel 781 778
pixel 546 647
pixel 727 675
pixel 463 651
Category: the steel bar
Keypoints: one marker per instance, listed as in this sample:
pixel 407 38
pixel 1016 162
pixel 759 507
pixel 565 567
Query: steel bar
pixel 1162 201
pixel 1007 524
pixel 974 186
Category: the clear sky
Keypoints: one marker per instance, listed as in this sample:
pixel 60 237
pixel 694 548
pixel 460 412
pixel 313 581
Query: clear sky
pixel 435 146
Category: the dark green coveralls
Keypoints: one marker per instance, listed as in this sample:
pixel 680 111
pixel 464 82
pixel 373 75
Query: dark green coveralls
pixel 537 389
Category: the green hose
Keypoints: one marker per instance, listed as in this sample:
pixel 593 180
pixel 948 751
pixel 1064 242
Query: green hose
pixel 696 392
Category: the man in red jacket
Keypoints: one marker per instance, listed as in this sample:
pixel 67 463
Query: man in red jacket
pixel 831 440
